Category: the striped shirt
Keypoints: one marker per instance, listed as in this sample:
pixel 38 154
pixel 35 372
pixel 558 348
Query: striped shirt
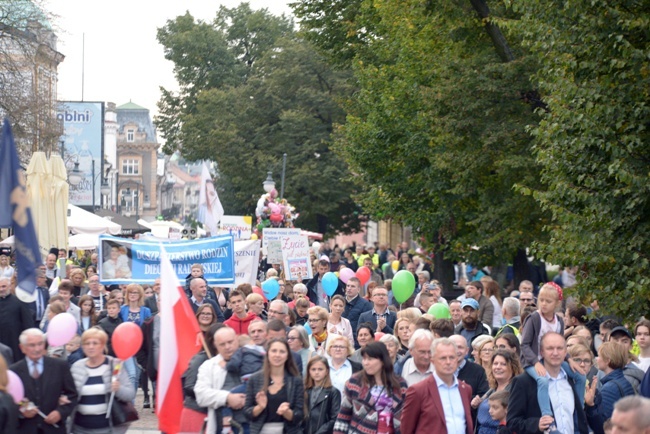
pixel 93 400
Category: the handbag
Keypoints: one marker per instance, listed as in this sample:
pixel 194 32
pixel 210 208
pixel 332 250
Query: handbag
pixel 123 412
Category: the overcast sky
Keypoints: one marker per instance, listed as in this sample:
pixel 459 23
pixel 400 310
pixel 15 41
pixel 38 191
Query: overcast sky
pixel 123 60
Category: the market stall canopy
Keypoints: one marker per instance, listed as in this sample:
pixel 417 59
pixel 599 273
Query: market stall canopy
pixel 7 242
pixel 83 241
pixel 84 222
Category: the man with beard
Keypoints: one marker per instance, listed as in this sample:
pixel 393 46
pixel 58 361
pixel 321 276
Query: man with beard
pixel 470 327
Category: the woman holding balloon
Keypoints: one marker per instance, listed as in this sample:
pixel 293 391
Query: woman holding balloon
pixel 8 409
pixel 136 312
pixel 96 378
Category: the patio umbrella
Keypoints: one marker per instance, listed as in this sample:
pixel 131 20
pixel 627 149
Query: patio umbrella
pixel 39 196
pixel 84 222
pixel 83 241
pixel 7 242
pixel 59 192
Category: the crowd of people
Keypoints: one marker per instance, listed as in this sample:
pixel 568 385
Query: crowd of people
pixel 489 361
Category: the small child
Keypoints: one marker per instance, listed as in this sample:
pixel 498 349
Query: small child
pixel 73 348
pixel 246 361
pixel 498 403
pixel 540 322
pixel 302 304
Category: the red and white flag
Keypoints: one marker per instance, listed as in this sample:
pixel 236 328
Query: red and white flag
pixel 179 331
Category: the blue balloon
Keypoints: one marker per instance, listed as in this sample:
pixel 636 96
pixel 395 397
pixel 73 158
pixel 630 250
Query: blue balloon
pixel 271 287
pixel 330 282
pixel 306 326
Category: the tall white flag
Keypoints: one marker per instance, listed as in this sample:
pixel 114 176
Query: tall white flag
pixel 210 209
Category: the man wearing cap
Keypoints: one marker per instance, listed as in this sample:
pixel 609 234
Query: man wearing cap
pixel 474 290
pixel 632 374
pixel 335 262
pixel 470 327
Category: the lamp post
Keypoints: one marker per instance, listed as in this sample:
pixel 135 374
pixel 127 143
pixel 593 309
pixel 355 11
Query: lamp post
pixel 269 183
pixel 75 176
pixel 105 189
pixel 284 169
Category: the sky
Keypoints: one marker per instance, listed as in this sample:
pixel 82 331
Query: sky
pixel 123 60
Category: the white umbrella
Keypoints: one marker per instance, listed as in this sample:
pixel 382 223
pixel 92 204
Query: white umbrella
pixel 7 242
pixel 84 222
pixel 59 193
pixel 83 241
pixel 40 199
pixel 160 228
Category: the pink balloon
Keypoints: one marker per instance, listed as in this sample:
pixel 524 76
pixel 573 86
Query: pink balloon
pixel 61 329
pixel 15 387
pixel 345 274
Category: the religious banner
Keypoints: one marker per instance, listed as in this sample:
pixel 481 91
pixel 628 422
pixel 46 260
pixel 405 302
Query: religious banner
pixel 123 260
pixel 295 257
pixel 270 243
pixel 239 226
pixel 247 255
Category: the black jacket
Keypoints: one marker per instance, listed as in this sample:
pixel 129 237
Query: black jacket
pixel 109 325
pixel 474 375
pixel 8 414
pixel 295 392
pixel 321 414
pixel 523 407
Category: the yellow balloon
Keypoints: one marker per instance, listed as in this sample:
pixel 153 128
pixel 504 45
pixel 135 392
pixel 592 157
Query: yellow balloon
pixel 394 265
pixel 253 236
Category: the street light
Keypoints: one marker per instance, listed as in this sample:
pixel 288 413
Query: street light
pixel 75 176
pixel 269 183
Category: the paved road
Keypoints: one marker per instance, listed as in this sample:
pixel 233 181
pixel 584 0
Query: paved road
pixel 148 423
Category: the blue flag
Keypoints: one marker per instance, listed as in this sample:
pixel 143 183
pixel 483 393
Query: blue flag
pixel 15 213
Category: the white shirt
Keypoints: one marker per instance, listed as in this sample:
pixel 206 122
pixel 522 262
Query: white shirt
pixel 644 363
pixel 452 404
pixel 412 375
pixel 562 400
pixel 340 376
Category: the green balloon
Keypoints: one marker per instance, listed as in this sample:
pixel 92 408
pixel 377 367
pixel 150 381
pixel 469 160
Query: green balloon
pixel 439 311
pixel 403 285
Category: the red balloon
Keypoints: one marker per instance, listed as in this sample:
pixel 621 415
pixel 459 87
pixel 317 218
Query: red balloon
pixel 126 340
pixel 363 274
pixel 276 218
pixel 258 290
pixel 378 336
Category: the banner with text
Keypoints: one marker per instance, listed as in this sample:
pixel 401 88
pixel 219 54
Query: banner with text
pixel 239 226
pixel 247 255
pixel 123 260
pixel 295 257
pixel 271 242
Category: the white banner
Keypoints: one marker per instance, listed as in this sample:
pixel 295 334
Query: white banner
pixel 273 255
pixel 295 257
pixel 247 255
pixel 238 226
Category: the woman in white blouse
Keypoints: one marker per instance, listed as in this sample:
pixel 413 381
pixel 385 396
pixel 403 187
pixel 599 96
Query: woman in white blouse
pixel 337 324
pixel 6 270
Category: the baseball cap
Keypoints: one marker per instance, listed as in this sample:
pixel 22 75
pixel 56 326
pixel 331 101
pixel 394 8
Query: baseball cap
pixel 469 302
pixel 621 329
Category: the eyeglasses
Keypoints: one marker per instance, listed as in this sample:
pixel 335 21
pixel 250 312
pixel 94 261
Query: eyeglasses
pixel 487 350
pixel 338 347
pixel 275 312
pixel 314 320
pixel 583 361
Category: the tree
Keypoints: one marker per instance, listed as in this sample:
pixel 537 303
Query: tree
pixel 592 143
pixel 28 63
pixel 437 133
pixel 277 96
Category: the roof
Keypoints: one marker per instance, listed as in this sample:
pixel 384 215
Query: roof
pixel 131 106
pixel 131 112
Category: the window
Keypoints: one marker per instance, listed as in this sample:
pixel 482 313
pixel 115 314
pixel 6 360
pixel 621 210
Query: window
pixel 130 135
pixel 130 167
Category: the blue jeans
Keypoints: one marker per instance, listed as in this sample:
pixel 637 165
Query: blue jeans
pixel 579 384
pixel 133 371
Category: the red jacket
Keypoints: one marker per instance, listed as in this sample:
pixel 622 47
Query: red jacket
pixel 240 325
pixel 423 412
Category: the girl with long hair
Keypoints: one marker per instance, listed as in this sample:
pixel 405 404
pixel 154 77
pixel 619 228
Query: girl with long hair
pixel 87 313
pixel 322 400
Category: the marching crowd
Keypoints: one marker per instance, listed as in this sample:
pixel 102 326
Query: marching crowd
pixel 352 361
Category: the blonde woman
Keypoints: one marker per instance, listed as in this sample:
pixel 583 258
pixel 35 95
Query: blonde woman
pixel 483 349
pixel 93 378
pixel 134 311
pixel 6 270
pixel 336 323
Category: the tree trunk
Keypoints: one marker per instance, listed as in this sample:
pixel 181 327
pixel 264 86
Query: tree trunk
pixel 499 41
pixel 443 270
pixel 521 269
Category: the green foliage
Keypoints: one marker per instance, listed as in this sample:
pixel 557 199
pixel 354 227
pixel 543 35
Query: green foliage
pixel 251 90
pixel 593 143
pixel 436 134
